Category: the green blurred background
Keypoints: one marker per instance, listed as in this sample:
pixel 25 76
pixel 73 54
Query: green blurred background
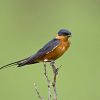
pixel 25 25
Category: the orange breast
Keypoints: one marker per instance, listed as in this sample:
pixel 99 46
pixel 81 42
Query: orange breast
pixel 57 52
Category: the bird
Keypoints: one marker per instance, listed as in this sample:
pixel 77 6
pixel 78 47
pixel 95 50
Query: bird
pixel 49 52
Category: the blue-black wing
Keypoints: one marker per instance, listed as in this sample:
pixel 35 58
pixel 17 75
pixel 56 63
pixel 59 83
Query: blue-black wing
pixel 49 46
pixel 46 49
pixel 43 51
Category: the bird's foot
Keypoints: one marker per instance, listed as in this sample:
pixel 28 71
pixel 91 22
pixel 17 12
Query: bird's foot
pixel 52 62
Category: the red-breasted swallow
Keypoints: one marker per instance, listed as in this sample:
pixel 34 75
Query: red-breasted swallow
pixel 49 52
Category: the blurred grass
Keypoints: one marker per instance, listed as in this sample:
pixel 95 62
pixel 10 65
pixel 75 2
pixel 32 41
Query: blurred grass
pixel 25 25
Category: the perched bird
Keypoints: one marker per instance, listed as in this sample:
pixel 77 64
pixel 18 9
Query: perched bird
pixel 49 52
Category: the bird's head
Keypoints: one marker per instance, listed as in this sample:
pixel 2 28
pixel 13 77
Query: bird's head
pixel 63 33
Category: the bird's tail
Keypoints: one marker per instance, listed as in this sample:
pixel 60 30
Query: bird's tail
pixel 18 63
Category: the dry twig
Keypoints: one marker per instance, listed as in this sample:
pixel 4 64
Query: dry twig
pixel 48 81
pixel 37 91
pixel 55 73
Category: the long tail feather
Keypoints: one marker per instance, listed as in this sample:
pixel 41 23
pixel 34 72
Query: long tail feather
pixel 8 65
pixel 18 63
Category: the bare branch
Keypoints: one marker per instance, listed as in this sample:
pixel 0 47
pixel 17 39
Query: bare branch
pixel 55 73
pixel 37 91
pixel 48 81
